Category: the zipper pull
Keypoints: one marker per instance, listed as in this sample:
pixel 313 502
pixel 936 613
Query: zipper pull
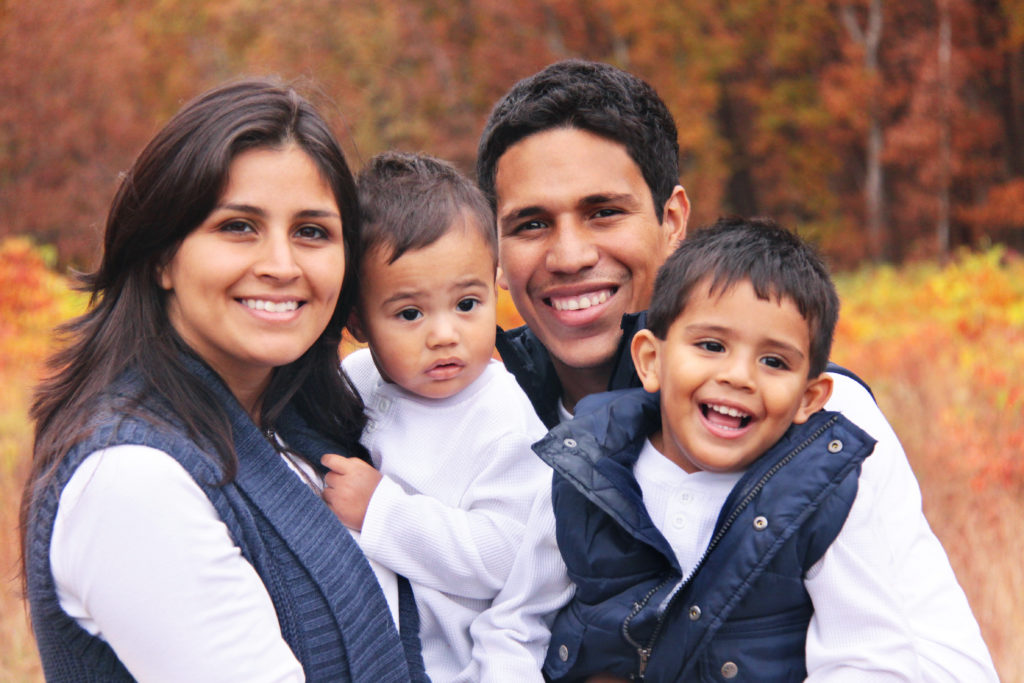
pixel 645 655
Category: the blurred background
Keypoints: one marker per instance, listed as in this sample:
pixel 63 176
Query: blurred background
pixel 892 133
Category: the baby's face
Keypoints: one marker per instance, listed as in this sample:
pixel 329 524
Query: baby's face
pixel 733 375
pixel 429 317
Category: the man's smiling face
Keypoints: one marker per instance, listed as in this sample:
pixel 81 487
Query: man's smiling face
pixel 580 245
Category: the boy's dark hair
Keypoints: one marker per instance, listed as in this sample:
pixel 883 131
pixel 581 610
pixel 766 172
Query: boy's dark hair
pixel 408 201
pixel 590 96
pixel 774 260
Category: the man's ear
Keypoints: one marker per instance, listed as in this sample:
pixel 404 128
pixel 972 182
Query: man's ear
pixel 674 217
pixel 815 395
pixel 500 278
pixel 645 348
pixel 355 326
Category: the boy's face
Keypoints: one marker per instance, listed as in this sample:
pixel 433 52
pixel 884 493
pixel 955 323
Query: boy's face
pixel 732 372
pixel 429 317
pixel 580 243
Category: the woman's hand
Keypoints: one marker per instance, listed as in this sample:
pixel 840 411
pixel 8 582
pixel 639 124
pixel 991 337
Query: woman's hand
pixel 348 488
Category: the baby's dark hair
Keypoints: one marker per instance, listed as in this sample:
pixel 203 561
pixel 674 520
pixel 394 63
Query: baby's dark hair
pixel 774 260
pixel 409 201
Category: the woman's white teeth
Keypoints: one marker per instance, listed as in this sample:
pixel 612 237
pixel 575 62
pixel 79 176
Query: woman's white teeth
pixel 725 410
pixel 271 306
pixel 580 302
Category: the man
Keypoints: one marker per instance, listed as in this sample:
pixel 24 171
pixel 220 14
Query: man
pixel 580 162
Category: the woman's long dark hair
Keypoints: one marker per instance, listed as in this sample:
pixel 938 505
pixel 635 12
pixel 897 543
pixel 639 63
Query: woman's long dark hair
pixel 171 188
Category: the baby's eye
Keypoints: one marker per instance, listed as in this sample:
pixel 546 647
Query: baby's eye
pixel 775 362
pixel 311 232
pixel 409 314
pixel 712 346
pixel 468 304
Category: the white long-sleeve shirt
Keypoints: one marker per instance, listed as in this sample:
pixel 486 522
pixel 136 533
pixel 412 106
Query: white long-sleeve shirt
pixel 460 483
pixel 141 559
pixel 887 606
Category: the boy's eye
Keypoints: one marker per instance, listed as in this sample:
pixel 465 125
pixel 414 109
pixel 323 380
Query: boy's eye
pixel 775 362
pixel 712 346
pixel 468 304
pixel 311 232
pixel 409 314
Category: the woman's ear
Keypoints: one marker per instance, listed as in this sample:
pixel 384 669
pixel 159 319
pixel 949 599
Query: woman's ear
pixel 355 326
pixel 645 348
pixel 815 395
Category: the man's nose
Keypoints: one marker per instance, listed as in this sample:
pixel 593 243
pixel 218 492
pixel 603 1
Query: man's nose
pixel 572 247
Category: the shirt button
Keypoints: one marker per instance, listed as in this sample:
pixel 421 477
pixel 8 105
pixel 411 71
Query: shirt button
pixel 835 446
pixel 685 497
pixel 563 653
pixel 384 405
pixel 679 522
pixel 730 670
pixel 760 523
pixel 695 613
pixel 569 443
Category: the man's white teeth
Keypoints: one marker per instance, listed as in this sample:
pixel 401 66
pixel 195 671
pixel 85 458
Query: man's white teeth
pixel 271 306
pixel 580 302
pixel 725 410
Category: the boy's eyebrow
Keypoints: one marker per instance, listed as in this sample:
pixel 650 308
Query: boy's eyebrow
pixel 721 330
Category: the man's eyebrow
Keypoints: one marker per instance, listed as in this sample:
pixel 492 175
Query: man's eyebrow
pixel 607 198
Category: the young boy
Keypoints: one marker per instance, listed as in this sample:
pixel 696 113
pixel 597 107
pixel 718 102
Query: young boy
pixel 449 432
pixel 711 520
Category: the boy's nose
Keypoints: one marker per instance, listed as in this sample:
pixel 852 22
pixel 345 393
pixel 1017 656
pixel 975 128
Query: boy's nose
pixel 442 333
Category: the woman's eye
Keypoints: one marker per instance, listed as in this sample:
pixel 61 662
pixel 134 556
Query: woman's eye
pixel 409 314
pixel 712 346
pixel 311 232
pixel 468 304
pixel 237 226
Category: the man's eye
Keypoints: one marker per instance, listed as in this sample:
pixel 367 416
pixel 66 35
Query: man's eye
pixel 468 304
pixel 712 346
pixel 409 314
pixel 529 226
pixel 606 213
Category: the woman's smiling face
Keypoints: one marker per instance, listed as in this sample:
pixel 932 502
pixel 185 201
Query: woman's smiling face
pixel 255 285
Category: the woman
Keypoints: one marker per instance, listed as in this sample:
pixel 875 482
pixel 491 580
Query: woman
pixel 172 527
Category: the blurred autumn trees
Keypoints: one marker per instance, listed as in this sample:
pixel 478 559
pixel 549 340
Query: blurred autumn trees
pixel 887 129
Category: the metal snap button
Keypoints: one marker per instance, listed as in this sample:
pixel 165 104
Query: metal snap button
pixel 563 653
pixel 730 670
pixel 694 613
pixel 569 443
pixel 760 523
pixel 835 445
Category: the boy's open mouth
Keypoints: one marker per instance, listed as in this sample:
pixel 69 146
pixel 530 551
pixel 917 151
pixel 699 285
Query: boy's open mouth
pixel 725 417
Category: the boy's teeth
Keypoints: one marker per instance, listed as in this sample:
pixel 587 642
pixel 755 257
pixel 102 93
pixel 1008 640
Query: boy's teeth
pixel 725 410
pixel 271 306
pixel 577 303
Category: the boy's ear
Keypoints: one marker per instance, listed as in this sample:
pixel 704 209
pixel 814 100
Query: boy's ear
pixel 815 395
pixel 645 348
pixel 355 326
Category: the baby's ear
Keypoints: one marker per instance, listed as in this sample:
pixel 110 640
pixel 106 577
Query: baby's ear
pixel 815 395
pixel 355 326
pixel 645 348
